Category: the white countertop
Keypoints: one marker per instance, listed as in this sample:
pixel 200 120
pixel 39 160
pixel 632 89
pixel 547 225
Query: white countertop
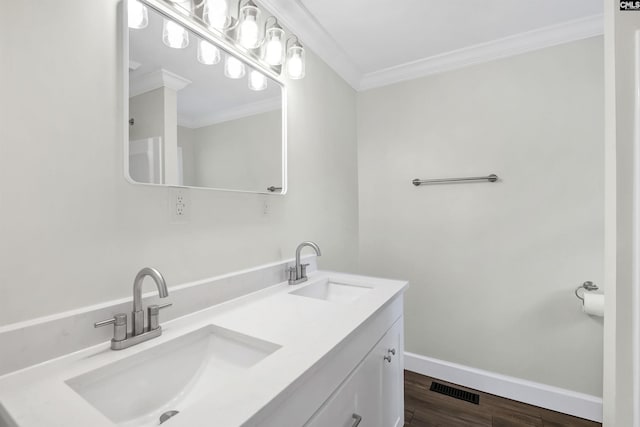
pixel 307 329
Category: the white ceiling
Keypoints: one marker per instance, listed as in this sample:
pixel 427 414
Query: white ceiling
pixel 363 40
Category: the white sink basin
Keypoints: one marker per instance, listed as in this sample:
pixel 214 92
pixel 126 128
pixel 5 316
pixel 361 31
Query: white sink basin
pixel 329 290
pixel 137 390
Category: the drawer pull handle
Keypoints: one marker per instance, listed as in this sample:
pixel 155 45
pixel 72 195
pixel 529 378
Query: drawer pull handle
pixel 356 420
pixel 387 358
pixel 392 351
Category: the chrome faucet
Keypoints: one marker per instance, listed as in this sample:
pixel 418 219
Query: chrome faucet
pixel 298 274
pixel 121 339
pixel 138 313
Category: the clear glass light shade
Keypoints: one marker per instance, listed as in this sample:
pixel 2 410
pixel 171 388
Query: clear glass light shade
pixel 233 68
pixel 138 15
pixel 257 80
pixel 295 62
pixel 248 30
pixel 216 13
pixel 208 54
pixel 274 46
pixel 175 36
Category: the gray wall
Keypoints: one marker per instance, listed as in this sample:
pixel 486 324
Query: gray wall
pixel 147 110
pixel 242 154
pixel 492 267
pixel 77 232
pixel 185 141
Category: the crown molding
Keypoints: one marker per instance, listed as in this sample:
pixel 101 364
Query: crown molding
pixel 155 80
pixel 513 45
pixel 246 110
pixel 299 20
pixel 296 18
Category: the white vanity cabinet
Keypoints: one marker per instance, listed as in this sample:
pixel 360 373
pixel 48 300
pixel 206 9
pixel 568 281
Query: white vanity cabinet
pixel 372 395
pixel 281 357
pixel 360 376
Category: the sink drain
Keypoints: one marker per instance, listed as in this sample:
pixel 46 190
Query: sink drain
pixel 164 417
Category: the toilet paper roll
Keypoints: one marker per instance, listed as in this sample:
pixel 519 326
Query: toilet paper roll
pixel 593 304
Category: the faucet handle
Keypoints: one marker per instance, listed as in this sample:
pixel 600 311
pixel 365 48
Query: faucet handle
pixel 303 270
pixel 119 322
pixel 154 311
pixel 292 274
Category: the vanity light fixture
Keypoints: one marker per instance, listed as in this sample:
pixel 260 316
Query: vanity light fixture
pixel 264 43
pixel 248 25
pixel 174 35
pixel 274 43
pixel 208 54
pixel 257 80
pixel 295 60
pixel 138 15
pixel 233 67
pixel 216 13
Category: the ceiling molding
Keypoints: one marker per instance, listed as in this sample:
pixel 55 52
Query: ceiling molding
pixel 296 18
pixel 246 110
pixel 520 43
pixel 155 80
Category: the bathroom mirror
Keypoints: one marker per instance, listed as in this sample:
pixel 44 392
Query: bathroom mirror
pixel 200 116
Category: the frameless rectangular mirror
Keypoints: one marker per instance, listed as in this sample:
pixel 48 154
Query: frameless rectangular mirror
pixel 200 116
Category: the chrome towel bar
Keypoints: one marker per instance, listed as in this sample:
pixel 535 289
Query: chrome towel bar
pixel 490 178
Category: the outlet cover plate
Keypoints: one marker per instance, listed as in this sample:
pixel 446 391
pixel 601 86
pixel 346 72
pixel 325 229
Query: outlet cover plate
pixel 179 205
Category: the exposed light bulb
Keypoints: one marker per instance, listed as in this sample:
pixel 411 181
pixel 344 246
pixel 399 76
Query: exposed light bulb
pixel 208 54
pixel 233 68
pixel 274 52
pixel 216 13
pixel 257 80
pixel 295 62
pixel 294 67
pixel 249 32
pixel 138 15
pixel 248 28
pixel 175 36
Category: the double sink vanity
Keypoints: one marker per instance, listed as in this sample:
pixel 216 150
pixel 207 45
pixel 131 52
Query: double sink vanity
pixel 325 352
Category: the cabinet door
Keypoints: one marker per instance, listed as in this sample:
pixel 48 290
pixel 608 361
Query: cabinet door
pixel 392 380
pixel 380 382
pixel 373 395
pixel 339 410
pixel 369 389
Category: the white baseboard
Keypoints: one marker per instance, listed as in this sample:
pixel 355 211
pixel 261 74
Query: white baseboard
pixel 542 395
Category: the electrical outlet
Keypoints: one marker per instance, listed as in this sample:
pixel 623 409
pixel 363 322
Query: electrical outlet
pixel 179 204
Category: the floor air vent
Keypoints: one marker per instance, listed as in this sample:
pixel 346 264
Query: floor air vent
pixel 455 392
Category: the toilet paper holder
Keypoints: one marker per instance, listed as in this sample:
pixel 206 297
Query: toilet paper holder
pixel 586 287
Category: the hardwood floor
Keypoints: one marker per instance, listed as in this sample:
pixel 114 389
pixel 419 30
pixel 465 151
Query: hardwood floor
pixel 425 408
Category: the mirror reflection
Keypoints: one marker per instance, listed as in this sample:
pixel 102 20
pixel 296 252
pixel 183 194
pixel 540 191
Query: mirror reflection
pixel 198 116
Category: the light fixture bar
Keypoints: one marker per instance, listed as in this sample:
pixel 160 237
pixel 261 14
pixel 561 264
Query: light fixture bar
pixel 216 37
